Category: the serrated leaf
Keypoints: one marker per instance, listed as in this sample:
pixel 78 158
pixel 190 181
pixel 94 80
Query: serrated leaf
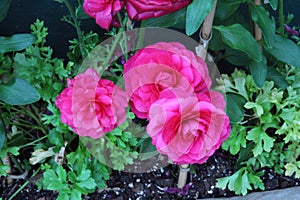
pixel 285 50
pixel 16 42
pixel 62 174
pixel 4 6
pixel 75 194
pixel 261 139
pixel 291 168
pixel 262 17
pixel 84 175
pixel 239 38
pixel 259 71
pixel 18 93
pixel 168 20
pixel 196 13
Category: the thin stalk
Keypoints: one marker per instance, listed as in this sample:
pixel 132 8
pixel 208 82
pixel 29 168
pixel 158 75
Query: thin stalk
pixel 25 184
pixel 14 160
pixel 123 29
pixel 33 142
pixel 112 50
pixel 281 18
pixel 76 24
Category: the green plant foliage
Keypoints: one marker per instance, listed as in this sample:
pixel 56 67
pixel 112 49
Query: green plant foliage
pixel 259 71
pixel 225 8
pixel 261 16
pixel 4 6
pixel 168 20
pixel 16 42
pixel 196 13
pixel 241 181
pixel 18 93
pixel 239 38
pixel 2 134
pixel 285 50
pixel 268 135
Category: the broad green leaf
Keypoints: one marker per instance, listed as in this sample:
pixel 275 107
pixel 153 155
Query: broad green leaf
pixel 80 14
pixel 216 43
pixel 225 8
pixel 278 79
pixel 4 6
pixel 196 13
pixel 16 42
pixel 18 93
pixel 286 51
pixel 167 20
pixel 239 38
pixel 262 17
pixel 234 107
pixel 236 57
pixel 75 194
pixel 2 134
pixel 259 71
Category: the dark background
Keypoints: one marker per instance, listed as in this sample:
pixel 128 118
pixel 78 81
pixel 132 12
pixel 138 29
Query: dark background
pixel 22 13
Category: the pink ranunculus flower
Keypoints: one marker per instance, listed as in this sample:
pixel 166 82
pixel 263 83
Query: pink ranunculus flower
pixel 145 9
pixel 187 130
pixel 92 106
pixel 104 11
pixel 163 66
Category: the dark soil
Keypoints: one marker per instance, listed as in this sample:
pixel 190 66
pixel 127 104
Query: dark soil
pixel 153 185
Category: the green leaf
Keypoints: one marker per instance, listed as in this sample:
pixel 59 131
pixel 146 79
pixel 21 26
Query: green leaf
pixel 234 107
pixel 274 4
pixel 4 6
pixel 62 174
pixel 225 8
pixel 196 13
pixel 285 50
pixel 259 71
pixel 2 134
pixel 262 17
pixel 75 194
pixel 262 140
pixel 18 93
pixel 291 168
pixel 167 20
pixel 278 79
pixel 16 42
pixel 239 38
pixel 236 57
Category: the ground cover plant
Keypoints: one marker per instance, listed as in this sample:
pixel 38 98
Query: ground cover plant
pixel 75 126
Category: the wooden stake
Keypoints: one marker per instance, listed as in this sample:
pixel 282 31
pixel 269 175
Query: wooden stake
pixel 257 30
pixel 201 50
pixel 184 169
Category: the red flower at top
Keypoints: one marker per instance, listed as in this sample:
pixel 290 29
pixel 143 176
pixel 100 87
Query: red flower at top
pixel 145 9
pixel 104 11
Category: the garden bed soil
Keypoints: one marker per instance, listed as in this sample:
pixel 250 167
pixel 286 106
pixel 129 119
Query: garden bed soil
pixel 153 184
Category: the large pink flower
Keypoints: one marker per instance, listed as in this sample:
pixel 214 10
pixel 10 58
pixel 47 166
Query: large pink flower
pixel 163 66
pixel 186 129
pixel 144 9
pixel 92 106
pixel 104 11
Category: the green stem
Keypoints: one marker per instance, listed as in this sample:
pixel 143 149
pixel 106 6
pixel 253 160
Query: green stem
pixel 112 50
pixel 33 142
pixel 25 184
pixel 123 29
pixel 76 24
pixel 281 18
pixel 14 160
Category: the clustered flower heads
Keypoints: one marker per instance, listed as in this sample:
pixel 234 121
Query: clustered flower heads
pixel 166 84
pixel 105 11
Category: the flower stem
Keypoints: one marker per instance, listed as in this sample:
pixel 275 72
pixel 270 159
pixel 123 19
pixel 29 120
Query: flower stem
pixel 184 169
pixel 281 18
